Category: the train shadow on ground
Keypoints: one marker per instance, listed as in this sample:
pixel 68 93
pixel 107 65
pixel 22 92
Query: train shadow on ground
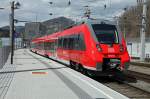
pixel 119 80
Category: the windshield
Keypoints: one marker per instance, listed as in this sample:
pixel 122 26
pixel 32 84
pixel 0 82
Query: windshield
pixel 105 33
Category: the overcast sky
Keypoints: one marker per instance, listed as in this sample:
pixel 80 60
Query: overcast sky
pixel 38 10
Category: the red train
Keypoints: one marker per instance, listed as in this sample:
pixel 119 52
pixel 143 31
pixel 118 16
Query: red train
pixel 95 48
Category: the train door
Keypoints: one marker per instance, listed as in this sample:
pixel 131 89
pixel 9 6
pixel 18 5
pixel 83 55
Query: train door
pixel 77 47
pixel 55 48
pixel 73 48
pixel 80 47
pixel 75 52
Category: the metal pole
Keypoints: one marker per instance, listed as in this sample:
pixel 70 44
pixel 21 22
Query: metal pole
pixel 143 31
pixel 124 30
pixel 12 30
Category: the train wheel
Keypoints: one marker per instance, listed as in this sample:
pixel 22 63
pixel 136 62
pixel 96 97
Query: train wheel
pixel 71 64
pixel 46 56
pixel 77 67
pixel 89 73
pixel 83 70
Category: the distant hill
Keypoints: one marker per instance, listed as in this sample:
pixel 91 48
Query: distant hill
pixel 57 24
pixel 34 29
pixel 37 29
pixel 4 31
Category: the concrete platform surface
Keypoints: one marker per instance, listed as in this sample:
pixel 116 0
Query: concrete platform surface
pixel 35 77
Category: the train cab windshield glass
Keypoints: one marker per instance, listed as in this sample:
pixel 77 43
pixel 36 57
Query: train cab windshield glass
pixel 106 34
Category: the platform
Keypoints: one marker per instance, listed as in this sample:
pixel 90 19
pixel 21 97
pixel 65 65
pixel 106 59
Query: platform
pixel 35 77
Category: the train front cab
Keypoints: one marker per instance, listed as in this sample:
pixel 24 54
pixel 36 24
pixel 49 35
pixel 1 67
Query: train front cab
pixel 106 50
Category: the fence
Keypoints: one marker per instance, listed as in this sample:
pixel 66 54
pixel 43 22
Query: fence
pixel 4 53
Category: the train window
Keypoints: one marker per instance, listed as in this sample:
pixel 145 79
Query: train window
pixel 47 46
pixel 105 33
pixel 70 42
pixel 76 42
pixel 60 41
pixel 64 43
pixel 67 42
pixel 52 48
pixel 44 45
pixel 82 42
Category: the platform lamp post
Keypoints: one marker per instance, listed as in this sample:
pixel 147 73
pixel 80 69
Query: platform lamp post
pixel 125 20
pixel 14 5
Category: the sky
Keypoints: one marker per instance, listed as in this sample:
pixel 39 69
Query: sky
pixel 38 10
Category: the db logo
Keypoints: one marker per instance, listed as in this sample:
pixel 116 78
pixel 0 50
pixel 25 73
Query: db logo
pixel 111 50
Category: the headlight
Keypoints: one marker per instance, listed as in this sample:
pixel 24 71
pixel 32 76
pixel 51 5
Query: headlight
pixel 121 48
pixel 98 47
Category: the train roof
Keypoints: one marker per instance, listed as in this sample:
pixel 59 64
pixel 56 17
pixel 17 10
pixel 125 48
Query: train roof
pixel 85 21
pixel 98 21
pixel 93 21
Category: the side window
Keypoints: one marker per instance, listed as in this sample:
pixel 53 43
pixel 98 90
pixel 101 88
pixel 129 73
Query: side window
pixel 82 42
pixel 76 42
pixel 45 46
pixel 66 43
pixel 73 42
pixel 70 42
pixel 60 42
pixel 52 44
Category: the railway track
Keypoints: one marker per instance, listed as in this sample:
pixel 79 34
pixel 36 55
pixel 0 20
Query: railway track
pixel 140 76
pixel 123 86
pixel 127 90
